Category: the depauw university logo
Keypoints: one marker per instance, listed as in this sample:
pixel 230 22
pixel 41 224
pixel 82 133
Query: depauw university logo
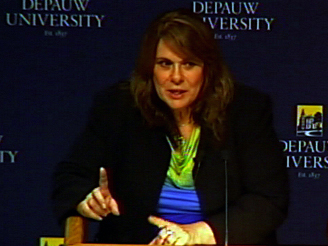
pixel 309 121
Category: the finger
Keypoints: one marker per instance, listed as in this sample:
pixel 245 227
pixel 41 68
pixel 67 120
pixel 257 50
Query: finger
pixel 155 241
pixel 112 205
pixel 171 233
pixel 96 208
pixel 86 211
pixel 168 236
pixel 98 196
pixel 109 202
pixel 182 240
pixel 159 222
pixel 103 179
pixel 173 240
pixel 176 241
pixel 165 236
pixel 179 237
pixel 158 240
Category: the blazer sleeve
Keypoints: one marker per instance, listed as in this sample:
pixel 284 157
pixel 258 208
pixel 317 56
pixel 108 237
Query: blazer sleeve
pixel 262 204
pixel 78 174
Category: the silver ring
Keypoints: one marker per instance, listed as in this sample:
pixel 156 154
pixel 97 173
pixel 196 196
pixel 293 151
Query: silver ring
pixel 169 232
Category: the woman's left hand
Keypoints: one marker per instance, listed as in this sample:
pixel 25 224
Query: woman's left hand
pixel 181 234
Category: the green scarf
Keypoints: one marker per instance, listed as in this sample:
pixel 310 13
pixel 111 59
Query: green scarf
pixel 182 162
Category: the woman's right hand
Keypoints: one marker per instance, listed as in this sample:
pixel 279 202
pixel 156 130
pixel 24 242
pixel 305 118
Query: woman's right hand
pixel 99 202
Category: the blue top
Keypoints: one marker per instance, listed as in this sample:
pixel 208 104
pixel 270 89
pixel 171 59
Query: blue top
pixel 179 205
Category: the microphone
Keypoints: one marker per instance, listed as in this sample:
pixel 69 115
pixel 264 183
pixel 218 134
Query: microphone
pixel 225 157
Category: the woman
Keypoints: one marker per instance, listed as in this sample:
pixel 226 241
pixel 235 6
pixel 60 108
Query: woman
pixel 169 141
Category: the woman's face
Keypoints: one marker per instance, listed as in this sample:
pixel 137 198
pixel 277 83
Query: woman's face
pixel 177 80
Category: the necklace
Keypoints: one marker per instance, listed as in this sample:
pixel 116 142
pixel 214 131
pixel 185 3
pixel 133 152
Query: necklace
pixel 182 161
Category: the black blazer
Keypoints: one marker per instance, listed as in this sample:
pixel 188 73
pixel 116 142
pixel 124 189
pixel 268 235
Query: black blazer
pixel 137 158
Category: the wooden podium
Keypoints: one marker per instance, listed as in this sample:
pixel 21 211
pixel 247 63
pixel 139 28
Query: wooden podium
pixel 76 228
